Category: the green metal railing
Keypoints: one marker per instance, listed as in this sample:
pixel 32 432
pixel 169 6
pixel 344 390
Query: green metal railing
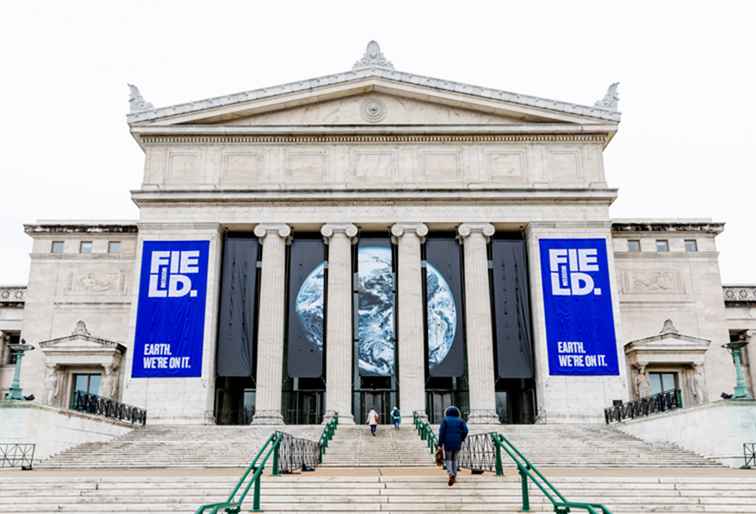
pixel 328 432
pixel 252 476
pixel 525 469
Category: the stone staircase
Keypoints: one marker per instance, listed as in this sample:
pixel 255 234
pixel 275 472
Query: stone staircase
pixel 210 446
pixel 354 446
pixel 591 445
pixel 417 491
pixel 176 446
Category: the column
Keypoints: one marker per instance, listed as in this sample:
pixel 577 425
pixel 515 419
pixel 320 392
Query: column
pixel 480 356
pixel 339 237
pixel 411 340
pixel 270 331
pixel 750 336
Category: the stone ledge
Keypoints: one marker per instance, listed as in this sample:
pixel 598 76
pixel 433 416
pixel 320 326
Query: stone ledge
pixel 15 404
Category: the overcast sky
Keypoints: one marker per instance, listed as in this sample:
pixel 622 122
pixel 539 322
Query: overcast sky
pixel 685 147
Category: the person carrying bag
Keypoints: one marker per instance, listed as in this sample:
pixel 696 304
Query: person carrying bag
pixel 451 433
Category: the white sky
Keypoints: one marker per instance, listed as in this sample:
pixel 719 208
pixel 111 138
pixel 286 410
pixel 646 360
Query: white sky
pixel 685 147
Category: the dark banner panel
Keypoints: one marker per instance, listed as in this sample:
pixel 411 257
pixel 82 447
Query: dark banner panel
pixel 376 342
pixel 236 343
pixel 305 333
pixel 443 303
pixel 514 350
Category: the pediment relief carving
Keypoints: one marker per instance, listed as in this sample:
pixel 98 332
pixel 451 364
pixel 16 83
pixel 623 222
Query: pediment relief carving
pixel 81 339
pixel 374 109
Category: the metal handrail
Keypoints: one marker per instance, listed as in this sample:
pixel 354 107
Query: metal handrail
pixel 17 455
pixel 271 447
pixel 660 402
pixel 232 505
pixel 527 470
pixel 107 407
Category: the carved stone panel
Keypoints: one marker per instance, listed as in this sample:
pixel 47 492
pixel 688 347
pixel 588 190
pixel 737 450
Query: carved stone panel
pixel 305 166
pixel 442 165
pixel 93 283
pixel 563 165
pixel 373 165
pixel 185 167
pixel 506 165
pixel 242 168
pixel 655 282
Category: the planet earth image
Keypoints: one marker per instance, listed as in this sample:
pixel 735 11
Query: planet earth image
pixel 375 311
pixel 309 305
pixel 442 316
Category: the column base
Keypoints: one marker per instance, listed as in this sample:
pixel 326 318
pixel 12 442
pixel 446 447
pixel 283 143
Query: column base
pixel 268 417
pixel 483 417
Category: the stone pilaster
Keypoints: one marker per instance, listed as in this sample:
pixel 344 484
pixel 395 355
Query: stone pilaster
pixel 339 237
pixel 409 237
pixel 270 332
pixel 751 350
pixel 480 356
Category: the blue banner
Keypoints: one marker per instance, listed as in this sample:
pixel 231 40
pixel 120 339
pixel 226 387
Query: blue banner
pixel 577 302
pixel 170 320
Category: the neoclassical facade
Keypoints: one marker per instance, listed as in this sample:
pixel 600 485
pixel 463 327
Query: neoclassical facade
pixel 376 238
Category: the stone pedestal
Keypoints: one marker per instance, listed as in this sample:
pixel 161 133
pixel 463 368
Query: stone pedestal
pixel 270 332
pixel 339 237
pixel 411 340
pixel 480 355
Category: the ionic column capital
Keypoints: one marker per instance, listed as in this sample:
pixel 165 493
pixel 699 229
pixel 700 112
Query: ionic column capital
pixel 467 229
pixel 265 229
pixel 330 229
pixel 418 229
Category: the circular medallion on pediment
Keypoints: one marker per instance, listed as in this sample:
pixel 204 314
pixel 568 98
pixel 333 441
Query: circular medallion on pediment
pixel 373 110
pixel 4 294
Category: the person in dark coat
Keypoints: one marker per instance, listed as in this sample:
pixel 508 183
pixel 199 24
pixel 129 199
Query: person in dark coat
pixel 452 432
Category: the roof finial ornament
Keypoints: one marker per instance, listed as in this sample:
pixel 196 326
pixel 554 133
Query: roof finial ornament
pixel 669 327
pixel 610 102
pixel 373 58
pixel 137 103
pixel 80 329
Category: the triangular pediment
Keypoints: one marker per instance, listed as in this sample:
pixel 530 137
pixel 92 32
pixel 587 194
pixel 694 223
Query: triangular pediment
pixel 80 340
pixel 373 93
pixel 376 109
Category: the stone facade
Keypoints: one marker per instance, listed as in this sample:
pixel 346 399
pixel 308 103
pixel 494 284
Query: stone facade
pixel 373 150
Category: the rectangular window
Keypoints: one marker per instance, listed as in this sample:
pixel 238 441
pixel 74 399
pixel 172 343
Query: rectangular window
pixel 691 245
pixel 85 247
pixel 56 247
pixel 662 245
pixel 114 247
pixel 662 382
pixel 88 383
pixel 633 245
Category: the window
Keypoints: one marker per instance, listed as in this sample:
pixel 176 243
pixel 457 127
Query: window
pixel 691 245
pixel 10 354
pixel 114 247
pixel 56 247
pixel 662 382
pixel 662 245
pixel 85 247
pixel 86 383
pixel 633 245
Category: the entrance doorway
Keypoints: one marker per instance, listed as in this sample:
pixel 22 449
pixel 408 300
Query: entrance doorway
pixel 304 401
pixel 234 400
pixel 441 392
pixel 374 393
pixel 515 401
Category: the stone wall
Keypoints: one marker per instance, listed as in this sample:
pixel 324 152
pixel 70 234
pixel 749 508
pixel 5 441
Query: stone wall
pixel 70 286
pixel 680 285
pixel 717 430
pixel 53 430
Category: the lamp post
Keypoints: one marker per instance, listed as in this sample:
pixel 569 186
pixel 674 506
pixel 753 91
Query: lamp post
pixel 741 390
pixel 15 392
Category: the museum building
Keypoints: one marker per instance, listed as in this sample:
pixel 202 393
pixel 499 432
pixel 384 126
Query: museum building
pixel 368 239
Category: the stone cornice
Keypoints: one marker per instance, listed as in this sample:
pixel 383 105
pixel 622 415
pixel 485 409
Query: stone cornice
pixel 80 228
pixel 485 136
pixel 739 294
pixel 389 75
pixel 12 296
pixel 330 196
pixel 705 227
